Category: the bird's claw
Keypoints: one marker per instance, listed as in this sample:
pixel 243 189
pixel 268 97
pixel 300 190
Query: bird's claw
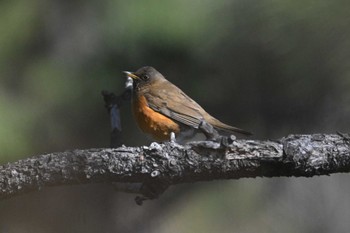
pixel 172 137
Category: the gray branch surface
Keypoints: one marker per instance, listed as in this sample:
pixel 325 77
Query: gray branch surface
pixel 171 163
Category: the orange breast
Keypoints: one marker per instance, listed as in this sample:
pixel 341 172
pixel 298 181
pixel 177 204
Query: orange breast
pixel 151 122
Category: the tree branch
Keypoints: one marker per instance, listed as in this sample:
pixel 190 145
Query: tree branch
pixel 161 165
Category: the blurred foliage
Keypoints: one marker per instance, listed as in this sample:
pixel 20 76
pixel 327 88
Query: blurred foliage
pixel 271 67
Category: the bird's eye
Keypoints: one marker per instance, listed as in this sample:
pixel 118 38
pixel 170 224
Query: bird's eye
pixel 145 77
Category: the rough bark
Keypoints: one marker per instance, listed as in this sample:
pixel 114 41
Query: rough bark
pixel 170 163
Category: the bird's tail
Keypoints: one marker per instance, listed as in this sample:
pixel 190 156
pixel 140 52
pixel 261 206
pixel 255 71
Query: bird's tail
pixel 224 127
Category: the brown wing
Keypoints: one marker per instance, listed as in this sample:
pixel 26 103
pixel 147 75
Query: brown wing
pixel 174 103
pixel 169 100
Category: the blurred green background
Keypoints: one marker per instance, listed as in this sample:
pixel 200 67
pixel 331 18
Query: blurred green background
pixel 271 67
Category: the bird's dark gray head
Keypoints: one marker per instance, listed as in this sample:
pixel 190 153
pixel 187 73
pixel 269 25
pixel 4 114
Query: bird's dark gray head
pixel 145 76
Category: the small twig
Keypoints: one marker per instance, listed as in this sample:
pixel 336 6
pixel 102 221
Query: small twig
pixel 113 104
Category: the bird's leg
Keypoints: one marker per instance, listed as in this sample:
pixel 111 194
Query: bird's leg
pixel 209 131
pixel 172 137
pixel 213 135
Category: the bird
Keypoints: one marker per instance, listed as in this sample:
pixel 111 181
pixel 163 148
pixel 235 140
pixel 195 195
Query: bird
pixel 161 109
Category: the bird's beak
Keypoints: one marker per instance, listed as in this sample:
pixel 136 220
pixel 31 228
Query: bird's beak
pixel 131 75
